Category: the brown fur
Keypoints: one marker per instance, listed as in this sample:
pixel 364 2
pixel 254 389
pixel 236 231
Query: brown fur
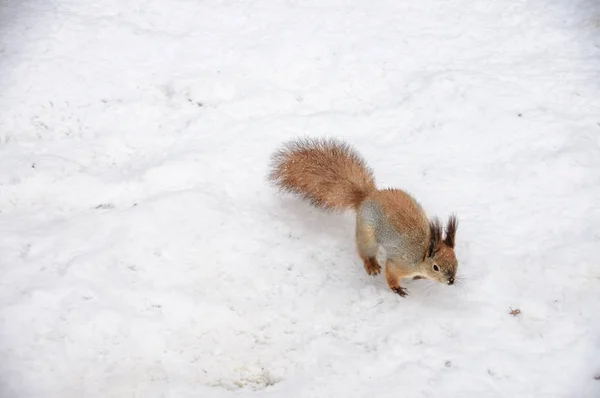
pixel 404 214
pixel 372 266
pixel 451 231
pixel 366 243
pixel 435 236
pixel 328 173
pixel 333 176
pixel 393 274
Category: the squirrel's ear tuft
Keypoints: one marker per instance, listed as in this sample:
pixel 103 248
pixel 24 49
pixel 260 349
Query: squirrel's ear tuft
pixel 451 231
pixel 435 236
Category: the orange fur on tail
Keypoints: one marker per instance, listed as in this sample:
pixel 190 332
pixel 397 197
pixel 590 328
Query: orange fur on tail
pixel 326 172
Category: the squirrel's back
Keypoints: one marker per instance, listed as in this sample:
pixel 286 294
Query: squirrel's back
pixel 326 172
pixel 398 221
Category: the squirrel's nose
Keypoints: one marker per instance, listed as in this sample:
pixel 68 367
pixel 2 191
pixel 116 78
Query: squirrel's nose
pixel 451 281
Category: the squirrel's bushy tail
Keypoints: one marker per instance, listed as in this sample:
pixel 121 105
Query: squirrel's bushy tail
pixel 328 173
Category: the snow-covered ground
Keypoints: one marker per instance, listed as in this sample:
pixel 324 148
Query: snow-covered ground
pixel 143 253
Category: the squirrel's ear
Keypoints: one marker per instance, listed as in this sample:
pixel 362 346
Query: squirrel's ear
pixel 451 231
pixel 435 236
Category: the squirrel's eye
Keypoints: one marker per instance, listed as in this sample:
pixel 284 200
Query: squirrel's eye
pixel 436 268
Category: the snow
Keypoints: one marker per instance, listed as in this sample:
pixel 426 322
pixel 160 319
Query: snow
pixel 143 253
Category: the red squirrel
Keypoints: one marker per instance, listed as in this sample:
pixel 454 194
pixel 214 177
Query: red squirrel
pixel 331 175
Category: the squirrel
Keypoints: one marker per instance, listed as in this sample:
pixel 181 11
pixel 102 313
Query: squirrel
pixel 332 176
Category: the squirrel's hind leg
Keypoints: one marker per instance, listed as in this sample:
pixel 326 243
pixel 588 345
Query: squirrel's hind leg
pixel 367 246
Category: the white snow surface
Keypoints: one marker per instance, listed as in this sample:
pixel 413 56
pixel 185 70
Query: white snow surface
pixel 144 254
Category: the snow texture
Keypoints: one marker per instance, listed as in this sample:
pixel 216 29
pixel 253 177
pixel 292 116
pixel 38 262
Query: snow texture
pixel 144 254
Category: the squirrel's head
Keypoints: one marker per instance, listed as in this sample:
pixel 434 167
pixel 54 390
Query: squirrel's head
pixel 440 263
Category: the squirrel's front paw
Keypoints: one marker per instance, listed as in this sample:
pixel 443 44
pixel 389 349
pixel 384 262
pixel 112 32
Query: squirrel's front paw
pixel 372 266
pixel 400 290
